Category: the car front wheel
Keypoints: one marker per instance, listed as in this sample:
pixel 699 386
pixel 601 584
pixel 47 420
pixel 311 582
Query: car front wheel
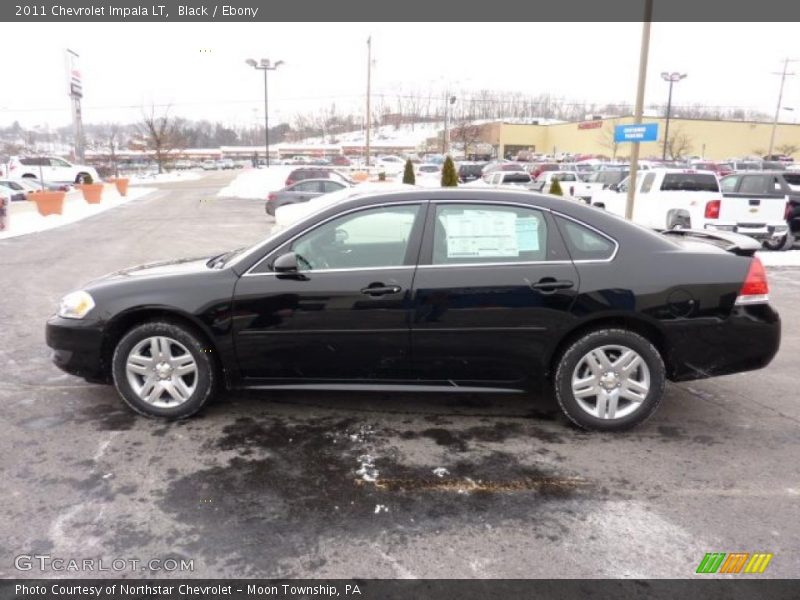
pixel 610 380
pixel 163 369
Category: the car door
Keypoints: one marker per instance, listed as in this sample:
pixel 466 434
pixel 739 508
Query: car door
pixel 493 286
pixel 305 190
pixel 58 170
pixel 343 315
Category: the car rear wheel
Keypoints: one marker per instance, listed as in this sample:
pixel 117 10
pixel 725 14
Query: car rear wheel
pixel 610 380
pixel 163 369
pixel 82 178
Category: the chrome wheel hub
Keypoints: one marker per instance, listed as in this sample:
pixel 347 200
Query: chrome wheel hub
pixel 161 371
pixel 610 382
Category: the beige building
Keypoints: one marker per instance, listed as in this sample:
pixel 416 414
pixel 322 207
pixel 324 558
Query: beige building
pixel 714 140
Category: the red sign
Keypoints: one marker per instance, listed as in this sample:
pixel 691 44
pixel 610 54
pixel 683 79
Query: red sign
pixel 590 125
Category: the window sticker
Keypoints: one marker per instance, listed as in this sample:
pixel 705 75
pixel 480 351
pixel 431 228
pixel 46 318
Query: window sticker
pixel 528 234
pixel 477 234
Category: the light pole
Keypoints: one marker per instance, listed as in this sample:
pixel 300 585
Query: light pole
pixel 450 100
pixel 672 78
pixel 783 75
pixel 265 65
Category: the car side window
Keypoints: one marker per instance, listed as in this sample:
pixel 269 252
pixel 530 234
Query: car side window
pixel 584 243
pixel 486 233
pixel 331 186
pixel 370 238
pixel 306 186
pixel 754 184
pixel 728 184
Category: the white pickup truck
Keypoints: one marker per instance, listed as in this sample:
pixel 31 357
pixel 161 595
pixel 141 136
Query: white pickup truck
pixel 690 199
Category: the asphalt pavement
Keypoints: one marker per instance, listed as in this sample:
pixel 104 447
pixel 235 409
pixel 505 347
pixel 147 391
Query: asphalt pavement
pixel 312 484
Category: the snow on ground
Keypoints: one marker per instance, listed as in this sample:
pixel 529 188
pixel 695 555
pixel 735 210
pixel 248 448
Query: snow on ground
pixel 171 177
pixel 386 135
pixel 790 258
pixel 28 220
pixel 257 183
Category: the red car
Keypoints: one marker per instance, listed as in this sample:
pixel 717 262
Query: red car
pixel 541 168
pixel 720 170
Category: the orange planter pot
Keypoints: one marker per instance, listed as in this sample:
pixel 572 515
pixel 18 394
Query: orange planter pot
pixel 92 192
pixel 49 203
pixel 122 185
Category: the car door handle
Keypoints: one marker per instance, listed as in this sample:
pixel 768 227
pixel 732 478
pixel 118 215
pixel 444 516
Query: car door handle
pixel 378 289
pixel 550 284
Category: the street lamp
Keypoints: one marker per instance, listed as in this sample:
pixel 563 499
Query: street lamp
pixel 265 65
pixel 671 78
pixel 451 100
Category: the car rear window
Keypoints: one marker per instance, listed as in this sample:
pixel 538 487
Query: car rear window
pixel 689 182
pixel 516 178
pixel 793 181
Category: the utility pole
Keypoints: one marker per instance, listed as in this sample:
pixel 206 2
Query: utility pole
pixel 265 65
pixel 671 78
pixel 637 117
pixel 369 82
pixel 783 75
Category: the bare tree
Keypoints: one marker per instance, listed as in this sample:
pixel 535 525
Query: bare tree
pixel 788 149
pixel 679 144
pixel 607 140
pixel 111 139
pixel 162 134
pixel 466 134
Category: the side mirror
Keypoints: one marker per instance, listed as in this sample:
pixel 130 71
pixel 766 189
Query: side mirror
pixel 285 263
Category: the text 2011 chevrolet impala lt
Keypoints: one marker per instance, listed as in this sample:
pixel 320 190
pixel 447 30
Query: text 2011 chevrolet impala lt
pixel 452 290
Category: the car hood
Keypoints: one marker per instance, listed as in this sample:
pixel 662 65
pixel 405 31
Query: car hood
pixel 171 268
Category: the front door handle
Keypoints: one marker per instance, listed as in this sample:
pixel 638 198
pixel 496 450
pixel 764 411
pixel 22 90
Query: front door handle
pixel 550 284
pixel 378 289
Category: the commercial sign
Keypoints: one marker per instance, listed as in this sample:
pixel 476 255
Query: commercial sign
pixel 646 132
pixel 74 80
pixel 590 124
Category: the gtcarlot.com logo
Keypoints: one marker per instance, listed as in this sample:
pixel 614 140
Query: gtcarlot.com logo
pixel 734 563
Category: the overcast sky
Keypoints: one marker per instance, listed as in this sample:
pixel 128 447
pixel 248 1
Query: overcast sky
pixel 200 69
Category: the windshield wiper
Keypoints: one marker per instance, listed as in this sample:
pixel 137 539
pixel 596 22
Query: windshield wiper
pixel 219 261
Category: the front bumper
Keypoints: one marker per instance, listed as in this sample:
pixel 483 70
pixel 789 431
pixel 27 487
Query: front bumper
pixel 77 347
pixel 745 341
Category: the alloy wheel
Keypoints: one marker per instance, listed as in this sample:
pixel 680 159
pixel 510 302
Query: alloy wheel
pixel 161 371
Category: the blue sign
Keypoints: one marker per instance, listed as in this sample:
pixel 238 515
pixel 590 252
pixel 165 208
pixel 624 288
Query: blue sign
pixel 646 132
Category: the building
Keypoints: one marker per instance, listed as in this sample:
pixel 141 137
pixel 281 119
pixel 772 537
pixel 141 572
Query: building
pixel 713 140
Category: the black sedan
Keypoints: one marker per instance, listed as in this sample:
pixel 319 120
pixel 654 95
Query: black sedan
pixel 453 290
pixel 301 191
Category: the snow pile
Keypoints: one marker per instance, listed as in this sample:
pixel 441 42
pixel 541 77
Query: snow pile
pixel 406 135
pixel 257 183
pixel 790 258
pixel 23 217
pixel 171 177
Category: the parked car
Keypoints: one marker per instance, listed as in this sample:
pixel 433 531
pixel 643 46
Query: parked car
pixel 429 170
pixel 538 169
pixel 453 290
pixel 226 163
pixel 601 180
pixel 301 192
pixel 545 179
pixel 391 165
pixel 512 178
pixel 779 158
pixel 209 165
pixel 470 171
pixel 495 166
pixel 34 185
pixel 50 168
pixel 721 169
pixel 689 199
pixel 14 190
pixel 340 161
pixel 773 193
pixel 316 173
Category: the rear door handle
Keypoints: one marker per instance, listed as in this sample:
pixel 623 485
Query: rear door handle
pixel 378 289
pixel 549 284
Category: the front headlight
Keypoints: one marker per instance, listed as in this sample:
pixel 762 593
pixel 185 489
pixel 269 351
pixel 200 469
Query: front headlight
pixel 75 305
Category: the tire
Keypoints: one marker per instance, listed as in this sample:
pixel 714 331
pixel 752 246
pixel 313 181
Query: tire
pixel 81 177
pixel 646 381
pixel 678 221
pixel 164 388
pixel 782 243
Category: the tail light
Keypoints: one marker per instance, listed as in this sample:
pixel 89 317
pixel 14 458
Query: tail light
pixel 787 211
pixel 712 209
pixel 272 197
pixel 755 289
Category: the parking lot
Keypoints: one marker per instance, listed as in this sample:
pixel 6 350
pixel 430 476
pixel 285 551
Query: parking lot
pixel 298 484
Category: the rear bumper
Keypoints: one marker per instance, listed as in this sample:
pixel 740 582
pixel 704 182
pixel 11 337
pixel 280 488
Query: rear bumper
pixel 759 231
pixel 745 341
pixel 77 347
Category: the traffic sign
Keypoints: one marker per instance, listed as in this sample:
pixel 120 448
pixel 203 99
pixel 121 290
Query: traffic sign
pixel 646 132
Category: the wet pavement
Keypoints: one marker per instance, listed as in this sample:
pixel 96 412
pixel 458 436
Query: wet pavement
pixel 312 484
